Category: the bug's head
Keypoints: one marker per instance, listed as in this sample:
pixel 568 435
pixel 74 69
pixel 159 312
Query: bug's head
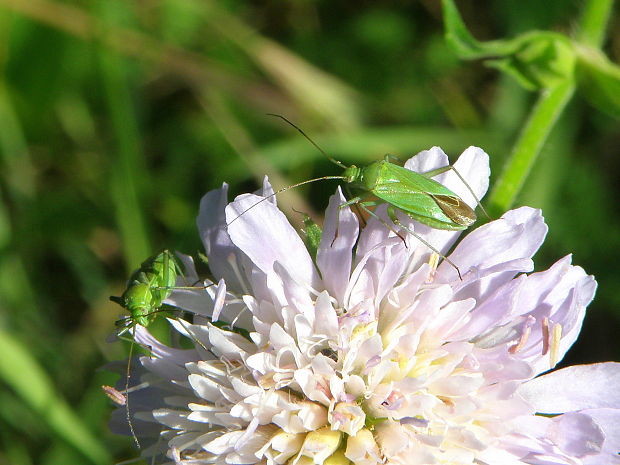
pixel 351 174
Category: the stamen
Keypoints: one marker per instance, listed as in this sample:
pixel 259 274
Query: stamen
pixel 433 261
pixel 523 339
pixel 554 353
pixel 115 395
pixel 545 335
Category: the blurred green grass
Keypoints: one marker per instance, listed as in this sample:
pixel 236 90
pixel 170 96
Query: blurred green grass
pixel 116 117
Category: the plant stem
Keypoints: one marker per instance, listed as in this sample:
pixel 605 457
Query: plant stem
pixel 550 105
pixel 594 20
pixel 547 110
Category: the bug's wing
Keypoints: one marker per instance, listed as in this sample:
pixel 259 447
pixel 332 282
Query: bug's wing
pixel 456 209
pixel 422 198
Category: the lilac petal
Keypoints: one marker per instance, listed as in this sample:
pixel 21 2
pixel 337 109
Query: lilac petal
pixel 562 304
pixel 264 234
pixel 577 434
pixel 574 388
pixel 361 285
pixel 517 234
pixel 295 294
pixel 326 319
pixel 473 166
pixel 428 160
pixel 165 368
pixel 218 301
pixel 267 191
pixel 211 224
pixel 335 251
pixel 493 311
pixel 178 356
pixel 198 301
pixel 609 422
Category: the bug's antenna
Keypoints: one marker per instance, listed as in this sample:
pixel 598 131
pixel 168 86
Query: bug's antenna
pixel 333 160
pixel 284 189
pixel 127 412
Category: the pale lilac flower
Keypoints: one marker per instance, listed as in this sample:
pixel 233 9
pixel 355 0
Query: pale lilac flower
pixel 373 354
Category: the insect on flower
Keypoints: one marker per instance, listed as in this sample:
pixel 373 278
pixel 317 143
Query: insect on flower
pixel 147 289
pixel 413 193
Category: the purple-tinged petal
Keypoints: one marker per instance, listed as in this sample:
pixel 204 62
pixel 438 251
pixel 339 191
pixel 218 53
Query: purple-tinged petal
pixel 493 311
pixel 577 434
pixel 373 263
pixel 296 295
pixel 178 356
pixel 326 319
pixel 260 229
pixel 575 388
pixel 517 234
pixel 335 253
pixel 473 166
pixel 373 234
pixel 609 422
pixel 219 248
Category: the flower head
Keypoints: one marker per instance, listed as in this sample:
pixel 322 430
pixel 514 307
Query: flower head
pixel 377 351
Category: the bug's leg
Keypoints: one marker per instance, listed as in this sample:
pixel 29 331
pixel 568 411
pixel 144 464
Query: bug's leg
pixel 392 214
pixel 354 201
pixel 391 158
pixel 364 206
pixel 443 169
pixel 356 205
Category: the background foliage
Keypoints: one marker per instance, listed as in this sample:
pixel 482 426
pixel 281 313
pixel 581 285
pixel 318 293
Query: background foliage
pixel 117 116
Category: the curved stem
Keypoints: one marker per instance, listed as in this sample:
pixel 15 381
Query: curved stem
pixel 594 20
pixel 550 105
pixel 547 110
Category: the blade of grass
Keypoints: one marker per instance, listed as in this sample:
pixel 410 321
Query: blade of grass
pixel 19 174
pixel 194 68
pixel 321 93
pixel 240 140
pixel 370 144
pixel 20 371
pixel 127 167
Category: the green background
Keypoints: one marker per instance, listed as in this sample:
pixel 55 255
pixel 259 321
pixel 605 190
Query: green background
pixel 117 116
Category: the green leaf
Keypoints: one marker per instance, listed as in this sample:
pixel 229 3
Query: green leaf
pixel 599 80
pixel 22 372
pixel 463 43
pixel 542 60
pixel 536 59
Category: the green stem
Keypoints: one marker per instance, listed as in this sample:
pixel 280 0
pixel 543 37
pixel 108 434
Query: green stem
pixel 547 110
pixel 594 20
pixel 550 105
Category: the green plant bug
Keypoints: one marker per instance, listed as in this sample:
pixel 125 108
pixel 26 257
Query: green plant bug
pixel 414 194
pixel 147 289
pixel 312 234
